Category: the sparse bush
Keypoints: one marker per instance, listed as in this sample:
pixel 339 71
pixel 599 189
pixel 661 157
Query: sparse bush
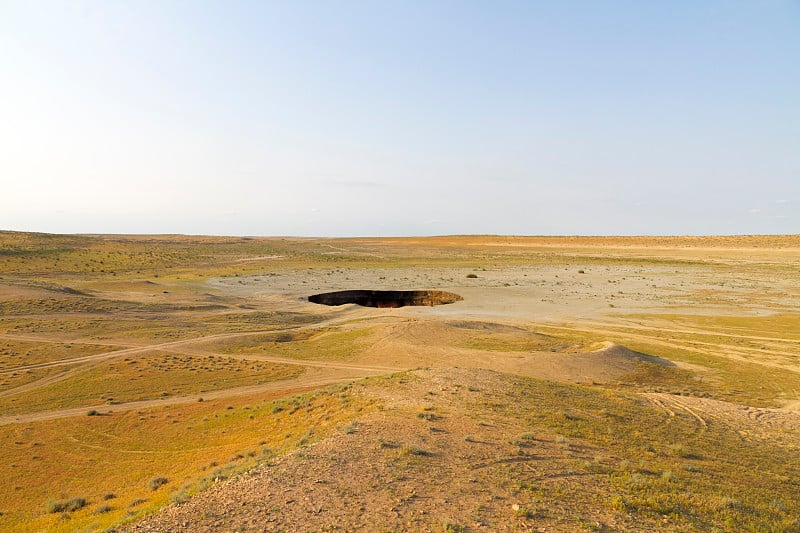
pixel 103 509
pixel 618 503
pixel 413 450
pixel 450 527
pixel 523 512
pixel 73 504
pixel 157 482
pixel 726 502
pixel 92 412
pixel 596 466
pixel 637 481
pixel 779 506
pixel 679 450
pixel 180 497
pixel 109 496
pixel 54 506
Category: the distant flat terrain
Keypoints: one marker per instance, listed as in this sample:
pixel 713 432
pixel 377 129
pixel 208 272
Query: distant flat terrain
pixel 199 362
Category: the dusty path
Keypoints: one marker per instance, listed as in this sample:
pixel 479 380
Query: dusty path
pixel 47 340
pixel 267 358
pixel 627 324
pixel 301 383
pixel 751 423
pixel 335 372
pixel 90 361
pixel 727 351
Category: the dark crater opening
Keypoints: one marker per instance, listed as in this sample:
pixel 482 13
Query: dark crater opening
pixel 385 298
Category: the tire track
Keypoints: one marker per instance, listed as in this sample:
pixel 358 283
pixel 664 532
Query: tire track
pixel 751 423
pixel 298 384
pixel 91 361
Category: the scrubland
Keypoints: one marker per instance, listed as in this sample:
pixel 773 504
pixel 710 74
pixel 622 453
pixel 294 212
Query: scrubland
pixel 584 383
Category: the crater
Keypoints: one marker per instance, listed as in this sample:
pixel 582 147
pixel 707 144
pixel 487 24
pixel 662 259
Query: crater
pixel 384 299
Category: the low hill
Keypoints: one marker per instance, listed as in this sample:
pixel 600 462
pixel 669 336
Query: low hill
pixel 476 450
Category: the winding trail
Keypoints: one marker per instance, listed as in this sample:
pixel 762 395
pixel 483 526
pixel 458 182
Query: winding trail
pixel 730 352
pixel 750 423
pixel 90 361
pixel 300 384
pixel 336 372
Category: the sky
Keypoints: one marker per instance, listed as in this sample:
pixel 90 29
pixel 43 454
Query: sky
pixel 413 117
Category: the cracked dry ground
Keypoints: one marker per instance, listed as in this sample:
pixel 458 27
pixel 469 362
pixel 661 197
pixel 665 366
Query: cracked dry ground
pixel 475 450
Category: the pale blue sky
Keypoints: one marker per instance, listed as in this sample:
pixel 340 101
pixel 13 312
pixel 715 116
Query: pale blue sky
pixel 400 117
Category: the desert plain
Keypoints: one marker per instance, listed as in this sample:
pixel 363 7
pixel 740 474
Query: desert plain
pixel 185 383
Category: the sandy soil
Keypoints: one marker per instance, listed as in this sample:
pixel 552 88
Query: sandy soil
pixel 397 471
pixel 376 476
pixel 596 289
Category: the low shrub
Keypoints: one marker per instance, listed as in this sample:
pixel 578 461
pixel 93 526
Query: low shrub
pixel 157 482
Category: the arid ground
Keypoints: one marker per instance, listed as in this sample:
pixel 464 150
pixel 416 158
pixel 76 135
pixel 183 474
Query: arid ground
pixel 174 383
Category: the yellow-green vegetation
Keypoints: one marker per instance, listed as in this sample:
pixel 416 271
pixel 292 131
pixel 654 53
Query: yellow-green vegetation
pixel 748 360
pixel 90 321
pixel 148 376
pixel 183 257
pixel 16 378
pixel 179 323
pixel 782 325
pixel 645 463
pixel 163 257
pixel 514 340
pixel 14 353
pixel 113 460
pixel 324 344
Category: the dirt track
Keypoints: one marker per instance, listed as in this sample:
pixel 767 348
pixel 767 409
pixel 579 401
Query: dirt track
pixel 561 309
pixel 305 382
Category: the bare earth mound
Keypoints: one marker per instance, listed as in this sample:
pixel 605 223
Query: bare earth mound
pixel 604 365
pixel 474 450
pixel 201 361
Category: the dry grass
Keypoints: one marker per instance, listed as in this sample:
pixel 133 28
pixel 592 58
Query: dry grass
pixel 189 445
pixel 16 378
pixel 723 309
pixel 327 345
pixel 14 353
pixel 145 377
pixel 510 453
pixel 738 359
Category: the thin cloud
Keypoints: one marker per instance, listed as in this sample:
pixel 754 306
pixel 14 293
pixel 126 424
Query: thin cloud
pixel 356 184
